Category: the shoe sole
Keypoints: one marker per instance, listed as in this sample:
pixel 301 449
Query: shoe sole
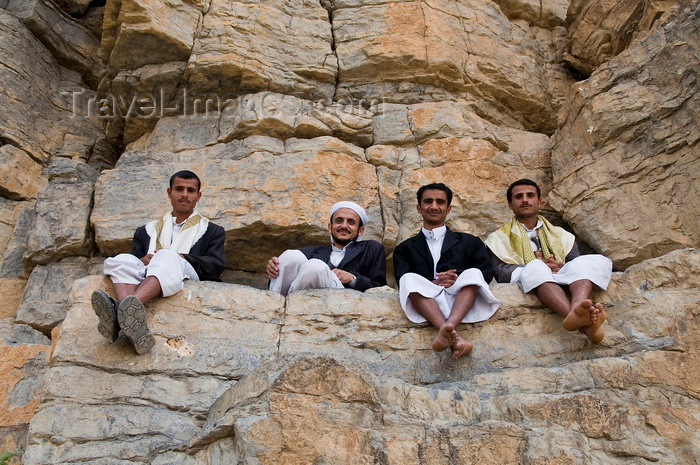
pixel 131 315
pixel 104 309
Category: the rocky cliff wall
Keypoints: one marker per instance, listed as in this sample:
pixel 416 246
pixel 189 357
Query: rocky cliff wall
pixel 284 107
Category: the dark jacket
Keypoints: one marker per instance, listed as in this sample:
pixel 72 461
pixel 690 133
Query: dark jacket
pixel 460 251
pixel 364 259
pixel 207 256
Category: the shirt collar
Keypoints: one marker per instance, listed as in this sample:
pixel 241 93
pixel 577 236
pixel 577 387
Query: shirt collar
pixel 435 234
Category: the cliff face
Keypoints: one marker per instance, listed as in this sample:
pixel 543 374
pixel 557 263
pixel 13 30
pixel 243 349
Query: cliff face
pixel 283 108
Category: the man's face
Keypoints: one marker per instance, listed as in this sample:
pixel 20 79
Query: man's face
pixel 184 196
pixel 433 208
pixel 345 226
pixel 524 202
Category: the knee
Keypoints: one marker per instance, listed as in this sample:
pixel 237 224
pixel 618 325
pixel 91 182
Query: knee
pixel 412 280
pixel 314 267
pixel 164 255
pixel 291 256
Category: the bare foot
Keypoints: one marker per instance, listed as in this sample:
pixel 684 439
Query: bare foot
pixel 461 346
pixel 443 340
pixel 594 332
pixel 584 314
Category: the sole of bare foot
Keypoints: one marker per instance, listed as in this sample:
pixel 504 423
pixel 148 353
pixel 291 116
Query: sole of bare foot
pixel 580 316
pixel 594 332
pixel 461 347
pixel 443 340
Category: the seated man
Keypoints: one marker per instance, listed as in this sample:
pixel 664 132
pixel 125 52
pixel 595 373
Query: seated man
pixel 347 262
pixel 443 275
pixel 530 251
pixel 181 245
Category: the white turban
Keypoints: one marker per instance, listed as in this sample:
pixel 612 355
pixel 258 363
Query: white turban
pixel 352 206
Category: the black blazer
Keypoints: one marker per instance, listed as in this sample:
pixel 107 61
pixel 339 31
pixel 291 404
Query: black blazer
pixel 207 256
pixel 460 251
pixel 364 259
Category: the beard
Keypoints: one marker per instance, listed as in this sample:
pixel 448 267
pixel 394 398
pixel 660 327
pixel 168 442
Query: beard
pixel 343 242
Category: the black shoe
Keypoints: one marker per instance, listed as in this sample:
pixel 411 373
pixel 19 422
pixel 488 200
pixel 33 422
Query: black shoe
pixel 131 316
pixel 106 310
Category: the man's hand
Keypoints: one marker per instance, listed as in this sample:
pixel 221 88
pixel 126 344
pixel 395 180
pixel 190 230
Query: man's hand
pixel 553 264
pixel 146 259
pixel 345 277
pixel 272 269
pixel 446 278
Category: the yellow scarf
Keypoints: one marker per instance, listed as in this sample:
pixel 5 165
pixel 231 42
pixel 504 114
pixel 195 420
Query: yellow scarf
pixel 511 244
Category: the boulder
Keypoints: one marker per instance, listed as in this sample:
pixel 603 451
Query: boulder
pixel 625 160
pixel 60 228
pixel 45 298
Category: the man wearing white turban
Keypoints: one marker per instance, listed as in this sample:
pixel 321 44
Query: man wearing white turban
pixel 348 262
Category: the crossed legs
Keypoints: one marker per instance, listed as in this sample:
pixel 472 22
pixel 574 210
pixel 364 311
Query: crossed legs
pixel 447 335
pixel 579 313
pixel 147 290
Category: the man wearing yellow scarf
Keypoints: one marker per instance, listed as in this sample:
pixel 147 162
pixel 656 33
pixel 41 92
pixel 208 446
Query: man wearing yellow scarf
pixel 532 252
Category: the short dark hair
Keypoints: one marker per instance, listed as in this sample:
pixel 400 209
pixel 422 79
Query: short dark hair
pixel 436 186
pixel 185 174
pixel 522 182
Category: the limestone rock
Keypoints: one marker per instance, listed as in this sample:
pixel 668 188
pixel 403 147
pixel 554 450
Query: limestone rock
pixel 16 240
pixel 410 52
pixel 9 215
pixel 262 215
pixel 45 297
pixel 600 29
pixel 71 44
pixel 144 58
pixel 60 227
pixel 21 177
pixel 625 162
pixel 36 96
pixel 286 378
pixel 546 14
pixel 13 334
pixel 292 56
pixel 23 364
pixel 265 114
pixel 11 290
pixel 73 7
pixel 133 26
pixel 92 20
